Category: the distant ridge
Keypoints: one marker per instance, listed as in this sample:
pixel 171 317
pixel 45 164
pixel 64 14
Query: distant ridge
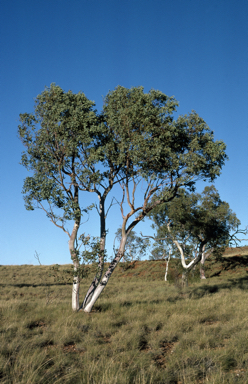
pixel 237 251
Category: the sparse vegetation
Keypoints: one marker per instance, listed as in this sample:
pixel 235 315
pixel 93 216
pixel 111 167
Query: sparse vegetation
pixel 184 336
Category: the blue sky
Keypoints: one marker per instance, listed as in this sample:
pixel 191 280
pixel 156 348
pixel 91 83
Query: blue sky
pixel 194 50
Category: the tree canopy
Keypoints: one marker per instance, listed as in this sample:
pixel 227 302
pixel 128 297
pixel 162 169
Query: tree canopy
pixel 194 221
pixel 133 142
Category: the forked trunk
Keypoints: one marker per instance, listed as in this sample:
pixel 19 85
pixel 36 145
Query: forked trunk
pixel 192 264
pixel 106 276
pixel 100 266
pixel 97 278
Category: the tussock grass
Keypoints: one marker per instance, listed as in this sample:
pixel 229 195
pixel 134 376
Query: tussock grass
pixel 142 330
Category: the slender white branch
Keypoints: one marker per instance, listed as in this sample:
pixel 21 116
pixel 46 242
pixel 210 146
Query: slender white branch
pixel 154 238
pixel 167 264
pixel 185 266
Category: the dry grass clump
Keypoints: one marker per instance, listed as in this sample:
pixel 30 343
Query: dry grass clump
pixel 141 331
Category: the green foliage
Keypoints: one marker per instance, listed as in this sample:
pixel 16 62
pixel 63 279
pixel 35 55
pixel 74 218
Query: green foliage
pixel 153 148
pixel 91 253
pixel 59 145
pixel 141 130
pixel 135 136
pixel 196 218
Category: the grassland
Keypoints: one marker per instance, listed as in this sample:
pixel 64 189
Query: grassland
pixel 240 251
pixel 142 330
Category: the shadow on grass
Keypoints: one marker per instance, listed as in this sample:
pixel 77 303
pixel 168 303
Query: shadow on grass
pixel 192 293
pixel 21 285
pixel 235 261
pixel 200 291
pixel 196 292
pixel 103 307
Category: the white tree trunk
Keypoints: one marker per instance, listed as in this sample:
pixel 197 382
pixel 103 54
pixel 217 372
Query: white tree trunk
pixel 107 276
pixel 76 265
pixel 167 265
pixel 202 269
pixel 100 266
pixel 188 267
pixel 75 292
pixel 194 261
pixel 203 259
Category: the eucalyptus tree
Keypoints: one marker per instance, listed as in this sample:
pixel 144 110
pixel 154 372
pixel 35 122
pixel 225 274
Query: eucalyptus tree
pixel 197 224
pixel 159 154
pixel 134 141
pixel 64 138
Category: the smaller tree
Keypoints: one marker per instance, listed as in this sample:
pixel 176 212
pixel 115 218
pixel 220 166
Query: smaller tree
pixel 197 224
pixel 160 251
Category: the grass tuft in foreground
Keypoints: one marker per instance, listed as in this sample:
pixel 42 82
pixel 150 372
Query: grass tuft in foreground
pixel 142 330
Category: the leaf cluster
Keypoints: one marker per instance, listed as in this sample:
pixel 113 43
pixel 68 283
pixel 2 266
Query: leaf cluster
pixel 196 218
pixel 147 140
pixel 60 149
